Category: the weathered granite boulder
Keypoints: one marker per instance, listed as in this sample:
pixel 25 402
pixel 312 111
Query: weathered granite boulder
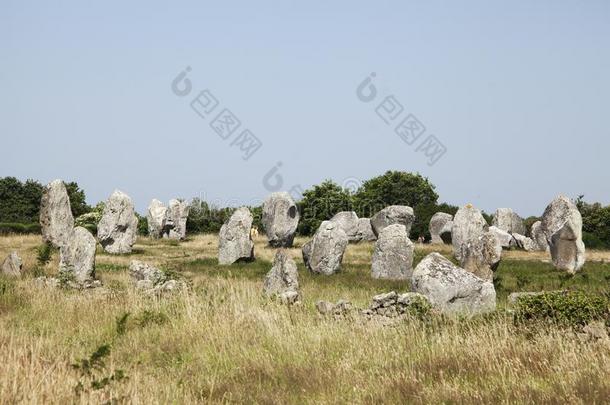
pixel 12 265
pixel 77 257
pixel 538 236
pixel 348 221
pixel 235 243
pixel 178 213
pixel 158 218
pixel 481 256
pixel 394 214
pixel 152 280
pixel 118 228
pixel 525 243
pixel 325 253
pixel 505 239
pixel 562 224
pixel 365 230
pixel 451 289
pixel 468 224
pixel 393 254
pixel 283 279
pixel 56 218
pixel 440 228
pixel 509 221
pixel 280 219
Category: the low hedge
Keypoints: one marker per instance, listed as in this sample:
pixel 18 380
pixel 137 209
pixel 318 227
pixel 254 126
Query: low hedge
pixel 11 227
pixel 566 308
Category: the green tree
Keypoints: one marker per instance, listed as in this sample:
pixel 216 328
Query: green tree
pixel 399 188
pixel 595 223
pixel 78 201
pixel 204 218
pixel 320 203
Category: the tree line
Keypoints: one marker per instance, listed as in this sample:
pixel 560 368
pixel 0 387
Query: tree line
pixel 20 206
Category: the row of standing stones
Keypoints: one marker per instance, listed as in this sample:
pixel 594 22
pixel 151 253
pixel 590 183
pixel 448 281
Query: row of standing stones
pixel 465 289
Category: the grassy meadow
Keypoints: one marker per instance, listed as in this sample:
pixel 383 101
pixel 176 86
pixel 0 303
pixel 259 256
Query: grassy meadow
pixel 222 341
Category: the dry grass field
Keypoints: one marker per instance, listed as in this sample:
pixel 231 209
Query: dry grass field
pixel 222 341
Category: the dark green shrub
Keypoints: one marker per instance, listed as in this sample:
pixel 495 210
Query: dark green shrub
pixel 569 308
pixel 321 203
pixel 44 253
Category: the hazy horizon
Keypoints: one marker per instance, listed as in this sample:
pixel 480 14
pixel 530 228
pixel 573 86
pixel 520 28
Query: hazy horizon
pixel 517 94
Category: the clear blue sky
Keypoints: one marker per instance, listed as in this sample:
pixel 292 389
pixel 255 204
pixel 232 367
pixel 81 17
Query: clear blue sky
pixel 517 91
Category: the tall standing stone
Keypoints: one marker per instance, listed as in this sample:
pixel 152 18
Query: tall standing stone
pixel 440 228
pixel 56 218
pixel 283 278
pixel 280 219
pixel 77 257
pixel 393 254
pixel 394 214
pixel 178 213
pixel 507 220
pixel 324 254
pixel 118 228
pixel 235 243
pixel 348 221
pixel 451 289
pixel 157 219
pixel 562 225
pixel 468 225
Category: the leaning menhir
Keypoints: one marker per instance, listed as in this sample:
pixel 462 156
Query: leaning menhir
pixel 235 243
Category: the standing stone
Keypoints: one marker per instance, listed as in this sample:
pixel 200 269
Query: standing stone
pixel 12 265
pixel 178 213
pixel 440 228
pixel 393 255
pixel 77 258
pixel 482 256
pixel 562 224
pixel 451 289
pixel 326 249
pixel 118 228
pixel 365 230
pixel 280 219
pixel 348 221
pixel 538 236
pixel 235 243
pixel 506 239
pixel 283 278
pixel 56 218
pixel 468 225
pixel 509 221
pixel 394 214
pixel 157 219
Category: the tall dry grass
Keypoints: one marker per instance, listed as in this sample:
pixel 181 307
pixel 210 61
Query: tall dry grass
pixel 221 341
